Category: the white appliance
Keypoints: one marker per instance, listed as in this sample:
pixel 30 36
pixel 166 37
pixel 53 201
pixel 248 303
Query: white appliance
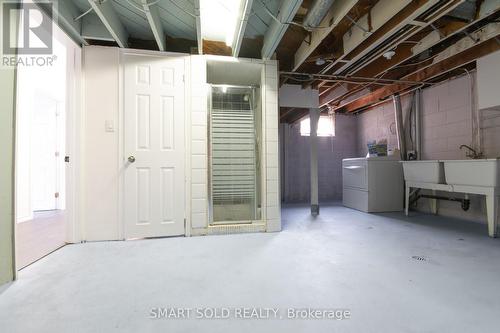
pixel 373 184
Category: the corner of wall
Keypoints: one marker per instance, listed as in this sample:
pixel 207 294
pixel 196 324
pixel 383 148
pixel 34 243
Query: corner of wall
pixel 199 145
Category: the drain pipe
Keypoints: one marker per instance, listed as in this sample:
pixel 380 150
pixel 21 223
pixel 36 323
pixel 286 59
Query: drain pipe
pixel 464 202
pixel 398 115
pixel 418 124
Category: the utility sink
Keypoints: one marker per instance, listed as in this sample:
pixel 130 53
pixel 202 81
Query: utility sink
pixel 426 171
pixel 481 172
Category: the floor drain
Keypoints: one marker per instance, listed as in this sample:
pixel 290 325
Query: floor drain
pixel 419 258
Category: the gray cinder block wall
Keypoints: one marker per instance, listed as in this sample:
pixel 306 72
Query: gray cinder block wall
pixel 295 162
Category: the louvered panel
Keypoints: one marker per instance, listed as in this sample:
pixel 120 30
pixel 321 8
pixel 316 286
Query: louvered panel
pixel 232 129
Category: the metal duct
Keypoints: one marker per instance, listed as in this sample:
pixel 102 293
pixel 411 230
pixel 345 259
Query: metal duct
pixel 418 124
pixel 317 12
pixel 398 113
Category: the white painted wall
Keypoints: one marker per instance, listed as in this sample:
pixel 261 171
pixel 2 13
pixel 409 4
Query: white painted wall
pixel 101 209
pixel 488 76
pixel 100 167
pixel 270 112
pixel 488 72
pixel 7 107
pixel 199 143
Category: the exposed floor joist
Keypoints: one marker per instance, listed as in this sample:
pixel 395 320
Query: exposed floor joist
pixel 376 65
pixel 241 27
pixel 153 16
pixel 408 57
pixel 197 14
pixel 396 27
pixel 453 61
pixel 278 27
pixel 110 19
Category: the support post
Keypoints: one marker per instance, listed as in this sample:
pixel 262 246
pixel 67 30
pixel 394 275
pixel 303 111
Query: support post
pixel 434 203
pixel 492 213
pixel 407 199
pixel 314 118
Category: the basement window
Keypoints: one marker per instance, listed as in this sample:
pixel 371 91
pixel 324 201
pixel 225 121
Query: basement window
pixel 326 126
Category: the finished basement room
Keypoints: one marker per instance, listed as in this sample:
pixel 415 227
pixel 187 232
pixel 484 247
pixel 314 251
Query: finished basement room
pixel 249 166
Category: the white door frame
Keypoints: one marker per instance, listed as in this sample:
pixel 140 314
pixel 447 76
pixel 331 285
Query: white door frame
pixel 73 142
pixel 121 134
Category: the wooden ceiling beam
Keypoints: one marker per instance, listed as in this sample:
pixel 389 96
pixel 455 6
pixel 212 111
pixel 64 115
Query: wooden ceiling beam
pixel 452 62
pixel 197 14
pixel 153 17
pixel 241 27
pixel 110 19
pixel 407 53
pixel 279 26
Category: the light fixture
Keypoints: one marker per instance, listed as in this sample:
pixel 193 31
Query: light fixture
pixel 320 62
pixel 219 19
pixel 224 89
pixel 389 54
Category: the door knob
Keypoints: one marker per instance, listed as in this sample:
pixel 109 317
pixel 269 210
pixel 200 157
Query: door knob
pixel 131 159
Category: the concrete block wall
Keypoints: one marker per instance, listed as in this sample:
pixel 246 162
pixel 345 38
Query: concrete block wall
pixel 199 143
pixel 270 128
pixel 378 124
pixel 490 131
pixel 331 151
pixel 446 124
pixel 447 119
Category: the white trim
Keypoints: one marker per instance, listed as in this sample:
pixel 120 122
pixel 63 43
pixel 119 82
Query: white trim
pixel 187 146
pixel 121 148
pixel 73 145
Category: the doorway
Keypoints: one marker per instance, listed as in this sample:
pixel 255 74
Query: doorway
pixel 154 146
pixel 45 104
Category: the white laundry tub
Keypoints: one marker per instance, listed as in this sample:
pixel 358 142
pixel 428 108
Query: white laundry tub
pixel 482 172
pixel 424 171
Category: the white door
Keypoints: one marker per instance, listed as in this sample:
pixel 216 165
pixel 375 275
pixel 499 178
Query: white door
pixel 154 146
pixel 44 156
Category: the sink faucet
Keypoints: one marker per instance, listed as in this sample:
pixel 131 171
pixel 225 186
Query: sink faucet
pixel 472 153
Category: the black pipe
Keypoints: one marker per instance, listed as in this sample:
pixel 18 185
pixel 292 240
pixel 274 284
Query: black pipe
pixel 465 203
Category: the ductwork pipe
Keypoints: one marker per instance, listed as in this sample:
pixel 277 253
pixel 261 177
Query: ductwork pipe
pixel 317 12
pixel 398 115
pixel 418 124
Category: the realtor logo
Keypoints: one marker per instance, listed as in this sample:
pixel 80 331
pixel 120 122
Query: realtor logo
pixel 26 29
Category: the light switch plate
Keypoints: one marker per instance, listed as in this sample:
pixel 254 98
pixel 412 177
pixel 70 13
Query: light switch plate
pixel 109 125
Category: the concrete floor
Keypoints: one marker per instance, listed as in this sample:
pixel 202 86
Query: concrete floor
pixel 343 259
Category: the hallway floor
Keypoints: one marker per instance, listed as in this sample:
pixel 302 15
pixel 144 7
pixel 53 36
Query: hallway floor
pixel 394 274
pixel 40 236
